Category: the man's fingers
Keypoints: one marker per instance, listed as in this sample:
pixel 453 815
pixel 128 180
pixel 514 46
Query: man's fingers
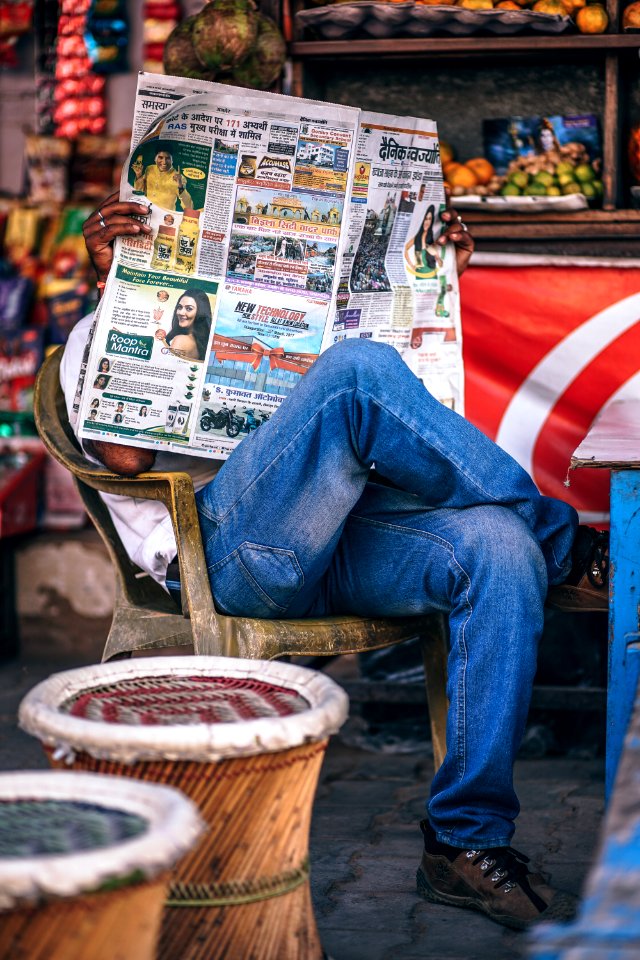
pixel 456 234
pixel 96 233
pixel 119 208
pixel 104 236
pixel 94 227
pixel 112 206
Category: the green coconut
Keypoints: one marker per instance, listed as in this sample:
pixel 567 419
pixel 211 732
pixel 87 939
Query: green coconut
pixel 224 33
pixel 264 64
pixel 179 58
pixel 240 6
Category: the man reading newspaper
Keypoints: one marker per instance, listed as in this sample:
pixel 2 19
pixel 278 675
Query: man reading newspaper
pixel 292 526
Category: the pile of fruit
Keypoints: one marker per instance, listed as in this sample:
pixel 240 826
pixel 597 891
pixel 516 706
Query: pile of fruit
pixel 229 41
pixel 588 17
pixel 556 173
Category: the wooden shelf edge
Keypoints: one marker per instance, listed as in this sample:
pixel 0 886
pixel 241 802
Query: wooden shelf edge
pixel 586 225
pixel 473 45
pixel 553 231
pixel 579 218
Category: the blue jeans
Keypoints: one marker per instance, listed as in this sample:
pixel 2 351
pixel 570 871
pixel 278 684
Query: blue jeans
pixel 292 527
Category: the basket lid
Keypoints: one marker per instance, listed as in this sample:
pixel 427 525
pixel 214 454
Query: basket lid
pixel 183 708
pixel 65 833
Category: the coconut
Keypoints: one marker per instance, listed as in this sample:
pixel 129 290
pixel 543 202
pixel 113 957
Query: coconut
pixel 179 58
pixel 265 62
pixel 224 33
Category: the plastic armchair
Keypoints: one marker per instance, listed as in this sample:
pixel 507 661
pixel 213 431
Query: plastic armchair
pixel 144 614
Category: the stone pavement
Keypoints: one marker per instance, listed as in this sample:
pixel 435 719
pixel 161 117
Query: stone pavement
pixel 366 844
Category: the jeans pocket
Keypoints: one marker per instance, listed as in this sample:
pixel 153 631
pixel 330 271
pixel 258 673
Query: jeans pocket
pixel 256 581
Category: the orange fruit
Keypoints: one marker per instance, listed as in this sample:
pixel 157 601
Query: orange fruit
pixel 463 177
pixel 631 16
pixel 475 4
pixel 633 152
pixel 449 168
pixel 592 19
pixel 480 167
pixel 446 150
pixel 574 5
pixel 507 5
pixel 429 3
pixel 554 8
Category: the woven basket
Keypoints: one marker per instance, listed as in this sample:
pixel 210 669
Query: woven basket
pixel 244 739
pixel 85 863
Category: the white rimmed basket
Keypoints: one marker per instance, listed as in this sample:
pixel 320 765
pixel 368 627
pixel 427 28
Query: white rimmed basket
pixel 102 901
pixel 253 779
pixel 41 715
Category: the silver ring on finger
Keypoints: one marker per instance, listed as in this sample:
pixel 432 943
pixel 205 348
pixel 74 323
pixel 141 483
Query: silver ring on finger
pixel 101 218
pixel 463 226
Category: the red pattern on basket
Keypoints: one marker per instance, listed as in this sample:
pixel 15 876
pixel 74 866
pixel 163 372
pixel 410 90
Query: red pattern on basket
pixel 156 701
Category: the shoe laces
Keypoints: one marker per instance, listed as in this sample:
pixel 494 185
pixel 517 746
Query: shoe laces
pixel 504 866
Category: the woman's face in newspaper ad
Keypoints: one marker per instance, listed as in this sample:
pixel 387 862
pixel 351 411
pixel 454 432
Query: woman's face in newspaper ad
pixel 186 313
pixel 427 223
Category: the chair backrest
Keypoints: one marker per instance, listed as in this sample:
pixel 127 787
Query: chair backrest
pixel 51 417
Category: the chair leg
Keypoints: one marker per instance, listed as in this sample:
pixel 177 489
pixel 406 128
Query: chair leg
pixel 140 628
pixel 434 647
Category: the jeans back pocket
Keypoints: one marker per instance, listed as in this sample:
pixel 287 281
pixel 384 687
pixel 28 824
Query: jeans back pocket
pixel 256 581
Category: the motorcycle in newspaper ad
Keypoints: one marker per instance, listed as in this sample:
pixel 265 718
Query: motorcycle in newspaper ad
pixel 251 421
pixel 224 418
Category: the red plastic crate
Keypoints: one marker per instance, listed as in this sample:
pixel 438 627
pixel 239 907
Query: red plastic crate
pixel 19 491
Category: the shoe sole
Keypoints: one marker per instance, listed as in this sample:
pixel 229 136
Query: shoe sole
pixel 562 908
pixel 574 600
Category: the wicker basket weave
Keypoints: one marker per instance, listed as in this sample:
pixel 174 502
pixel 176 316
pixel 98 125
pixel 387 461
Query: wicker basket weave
pixel 85 863
pixel 244 739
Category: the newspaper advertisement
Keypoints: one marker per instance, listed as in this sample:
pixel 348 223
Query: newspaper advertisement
pixel 279 226
pixel 398 285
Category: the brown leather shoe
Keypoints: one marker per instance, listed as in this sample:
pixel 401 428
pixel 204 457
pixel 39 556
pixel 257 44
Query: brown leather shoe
pixel 587 586
pixel 497 882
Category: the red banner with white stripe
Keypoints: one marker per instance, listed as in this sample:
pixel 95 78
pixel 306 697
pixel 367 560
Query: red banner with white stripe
pixel 545 349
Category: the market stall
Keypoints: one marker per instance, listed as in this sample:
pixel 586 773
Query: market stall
pixel 552 181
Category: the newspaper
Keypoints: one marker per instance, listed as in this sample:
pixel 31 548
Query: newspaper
pixel 279 227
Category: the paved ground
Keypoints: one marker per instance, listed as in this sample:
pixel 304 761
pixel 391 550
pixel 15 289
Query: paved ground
pixel 366 844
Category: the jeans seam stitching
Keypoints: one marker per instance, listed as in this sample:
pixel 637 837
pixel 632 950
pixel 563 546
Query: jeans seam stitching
pixel 395 526
pixel 202 509
pixel 462 683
